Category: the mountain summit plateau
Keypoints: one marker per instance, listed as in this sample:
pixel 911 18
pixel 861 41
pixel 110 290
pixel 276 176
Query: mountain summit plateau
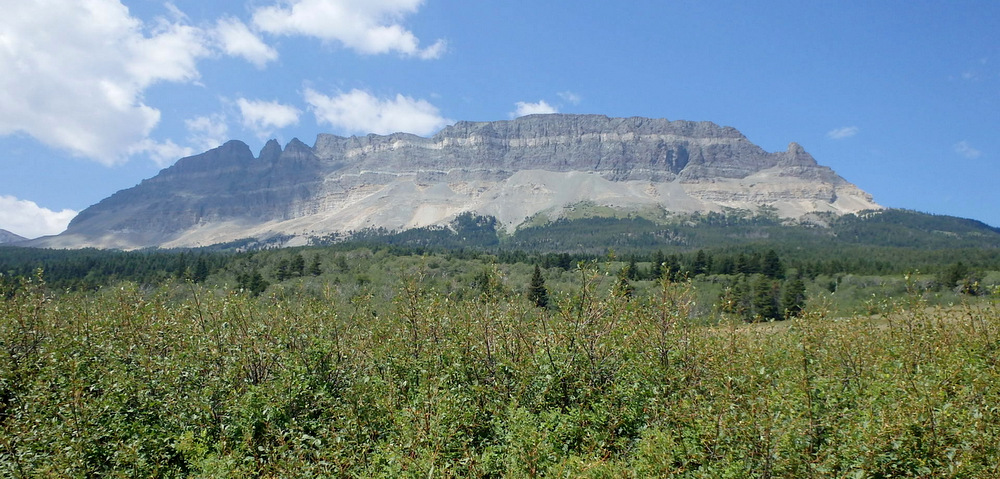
pixel 533 166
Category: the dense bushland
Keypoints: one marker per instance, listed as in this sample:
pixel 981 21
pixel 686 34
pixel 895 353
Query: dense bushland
pixel 422 379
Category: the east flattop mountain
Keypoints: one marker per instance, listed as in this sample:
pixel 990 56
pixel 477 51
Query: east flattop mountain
pixel 537 166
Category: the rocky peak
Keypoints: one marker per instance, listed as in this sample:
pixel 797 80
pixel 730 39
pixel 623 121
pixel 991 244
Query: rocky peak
pixel 232 155
pixel 297 148
pixel 271 151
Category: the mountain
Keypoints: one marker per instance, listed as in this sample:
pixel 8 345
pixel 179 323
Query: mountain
pixel 8 237
pixel 531 168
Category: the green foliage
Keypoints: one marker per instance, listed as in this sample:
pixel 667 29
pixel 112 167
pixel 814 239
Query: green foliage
pixel 624 287
pixel 416 381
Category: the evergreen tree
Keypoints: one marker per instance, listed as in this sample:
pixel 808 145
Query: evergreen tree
pixel 954 274
pixel 765 299
pixel 565 261
pixel 297 265
pixel 253 282
pixel 656 270
pixel 281 270
pixel 736 299
pixel 725 266
pixel 632 269
pixel 341 263
pixel 771 265
pixel 672 268
pixel 700 265
pixel 200 272
pixel 537 292
pixel 314 268
pixel 180 267
pixel 742 264
pixel 793 299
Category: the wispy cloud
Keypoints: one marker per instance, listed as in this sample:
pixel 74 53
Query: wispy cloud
pixel 163 153
pixel 207 132
pixel 966 150
pixel 263 117
pixel 368 27
pixel 525 108
pixel 27 219
pixel 358 111
pixel 570 97
pixel 842 132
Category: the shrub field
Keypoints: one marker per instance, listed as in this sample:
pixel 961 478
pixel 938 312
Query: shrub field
pixel 183 380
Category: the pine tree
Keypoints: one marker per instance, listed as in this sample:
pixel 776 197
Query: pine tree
pixel 181 268
pixel 700 265
pixel 771 265
pixel 736 299
pixel 537 292
pixel 633 270
pixel 742 265
pixel 656 270
pixel 314 268
pixel 672 268
pixel 341 263
pixel 765 299
pixel 297 266
pixel 281 270
pixel 253 282
pixel 200 272
pixel 793 299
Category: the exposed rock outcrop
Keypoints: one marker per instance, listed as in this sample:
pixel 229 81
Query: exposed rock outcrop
pixel 508 169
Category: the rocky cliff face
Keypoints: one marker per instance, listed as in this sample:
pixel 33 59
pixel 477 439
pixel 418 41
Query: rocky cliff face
pixel 512 170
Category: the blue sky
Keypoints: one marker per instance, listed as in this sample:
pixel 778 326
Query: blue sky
pixel 900 98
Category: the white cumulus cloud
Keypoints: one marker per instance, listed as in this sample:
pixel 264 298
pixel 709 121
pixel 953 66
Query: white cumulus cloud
pixel 366 26
pixel 236 39
pixel 27 219
pixel 263 117
pixel 965 149
pixel 526 108
pixel 74 74
pixel 358 111
pixel 842 132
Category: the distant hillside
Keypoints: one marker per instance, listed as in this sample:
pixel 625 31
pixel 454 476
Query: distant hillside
pixel 8 237
pixel 890 228
pixel 891 242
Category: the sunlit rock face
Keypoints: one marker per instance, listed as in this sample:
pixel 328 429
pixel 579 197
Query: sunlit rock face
pixel 512 170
